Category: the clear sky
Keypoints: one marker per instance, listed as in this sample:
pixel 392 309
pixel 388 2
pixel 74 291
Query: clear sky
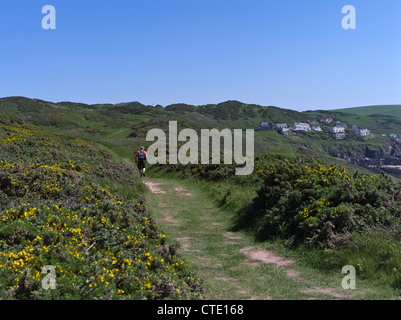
pixel 288 53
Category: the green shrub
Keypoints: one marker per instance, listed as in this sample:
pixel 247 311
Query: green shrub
pixel 320 203
pixel 65 203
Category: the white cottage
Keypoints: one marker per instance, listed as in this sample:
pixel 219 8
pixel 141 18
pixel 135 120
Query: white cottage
pixel 337 129
pixel 363 132
pixel 339 135
pixel 301 127
pixel 317 129
pixel 284 131
pixel 278 126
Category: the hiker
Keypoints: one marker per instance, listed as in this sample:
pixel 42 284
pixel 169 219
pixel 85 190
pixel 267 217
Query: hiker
pixel 140 157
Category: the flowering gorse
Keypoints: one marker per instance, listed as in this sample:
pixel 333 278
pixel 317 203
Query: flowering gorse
pixel 60 206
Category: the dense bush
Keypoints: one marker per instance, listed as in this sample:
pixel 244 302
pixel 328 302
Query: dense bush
pixel 319 203
pixel 209 172
pixel 65 203
pixel 327 214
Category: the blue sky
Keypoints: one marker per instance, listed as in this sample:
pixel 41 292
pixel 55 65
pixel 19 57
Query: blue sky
pixel 288 53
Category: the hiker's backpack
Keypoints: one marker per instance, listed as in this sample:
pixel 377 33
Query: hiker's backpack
pixel 141 155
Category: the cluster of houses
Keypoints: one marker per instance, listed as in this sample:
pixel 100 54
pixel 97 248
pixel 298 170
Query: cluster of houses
pixel 337 131
pixel 392 136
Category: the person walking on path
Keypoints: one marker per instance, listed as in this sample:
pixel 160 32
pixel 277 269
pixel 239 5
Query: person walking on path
pixel 140 157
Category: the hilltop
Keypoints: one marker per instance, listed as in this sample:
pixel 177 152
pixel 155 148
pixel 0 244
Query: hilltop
pixel 121 128
pixel 390 110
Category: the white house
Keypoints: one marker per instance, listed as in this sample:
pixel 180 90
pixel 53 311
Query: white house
pixel 317 128
pixel 339 135
pixel 363 132
pixel 277 126
pixel 326 120
pixel 337 129
pixel 284 131
pixel 301 127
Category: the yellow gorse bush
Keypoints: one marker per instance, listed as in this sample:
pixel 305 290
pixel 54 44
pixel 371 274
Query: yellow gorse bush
pixel 304 199
pixel 57 208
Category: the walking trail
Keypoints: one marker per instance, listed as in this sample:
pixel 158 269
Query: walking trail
pixel 231 264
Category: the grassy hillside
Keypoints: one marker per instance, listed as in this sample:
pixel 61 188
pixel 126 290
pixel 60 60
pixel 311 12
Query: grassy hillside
pixel 122 128
pixel 327 215
pixel 387 110
pixel 64 202
pixel 69 197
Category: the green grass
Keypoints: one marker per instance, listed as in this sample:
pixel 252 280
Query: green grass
pixel 374 252
pixel 116 134
pixel 389 110
pixel 203 224
pixel 218 203
pixel 110 125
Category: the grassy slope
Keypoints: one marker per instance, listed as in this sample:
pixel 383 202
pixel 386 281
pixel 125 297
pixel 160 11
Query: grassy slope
pixel 388 110
pixel 217 253
pixel 110 125
pixel 374 252
pixel 110 132
pixel 65 203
